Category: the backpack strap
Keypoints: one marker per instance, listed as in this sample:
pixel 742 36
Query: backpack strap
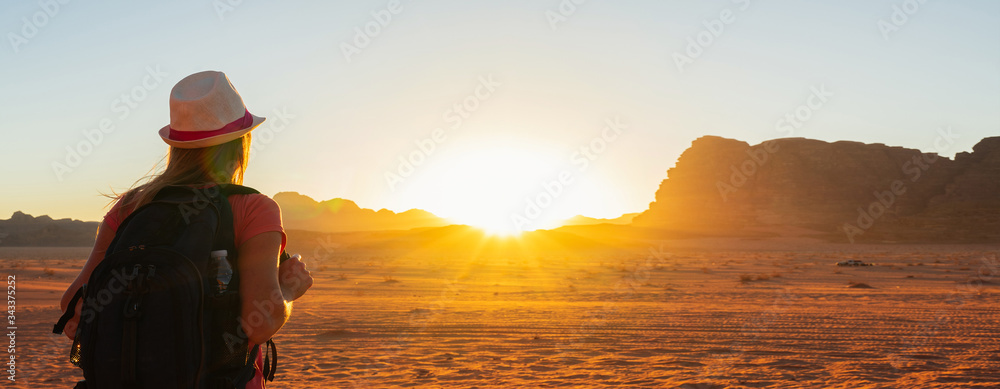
pixel 270 368
pixel 226 234
pixel 70 311
pixel 231 189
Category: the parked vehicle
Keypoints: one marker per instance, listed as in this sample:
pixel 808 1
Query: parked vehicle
pixel 854 262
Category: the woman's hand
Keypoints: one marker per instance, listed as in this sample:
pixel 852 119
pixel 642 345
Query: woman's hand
pixel 294 278
pixel 70 329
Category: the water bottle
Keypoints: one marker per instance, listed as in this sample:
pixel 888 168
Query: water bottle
pixel 222 269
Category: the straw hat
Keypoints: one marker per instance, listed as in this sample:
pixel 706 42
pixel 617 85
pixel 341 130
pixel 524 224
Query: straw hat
pixel 205 110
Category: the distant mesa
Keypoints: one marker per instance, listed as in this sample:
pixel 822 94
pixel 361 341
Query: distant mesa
pixel 587 221
pixel 300 212
pixel 25 230
pixel 845 191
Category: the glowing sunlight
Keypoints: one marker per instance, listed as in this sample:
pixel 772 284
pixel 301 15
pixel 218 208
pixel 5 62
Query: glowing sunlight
pixel 487 186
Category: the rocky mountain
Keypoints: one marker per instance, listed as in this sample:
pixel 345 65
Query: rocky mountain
pixel 586 221
pixel 848 191
pixel 300 212
pixel 25 230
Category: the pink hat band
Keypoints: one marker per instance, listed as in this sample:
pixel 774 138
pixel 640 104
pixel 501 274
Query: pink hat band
pixel 236 125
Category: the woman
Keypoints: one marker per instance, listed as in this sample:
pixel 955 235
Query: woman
pixel 209 138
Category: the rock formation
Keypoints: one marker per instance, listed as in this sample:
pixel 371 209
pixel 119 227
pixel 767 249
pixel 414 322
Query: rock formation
pixel 580 220
pixel 25 230
pixel 846 190
pixel 300 212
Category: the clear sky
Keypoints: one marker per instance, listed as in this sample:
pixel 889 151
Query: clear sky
pixel 534 82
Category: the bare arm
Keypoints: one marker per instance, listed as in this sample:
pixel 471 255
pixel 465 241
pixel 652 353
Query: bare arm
pixel 266 298
pixel 104 237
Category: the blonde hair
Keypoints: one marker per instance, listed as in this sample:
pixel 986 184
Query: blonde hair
pixel 220 164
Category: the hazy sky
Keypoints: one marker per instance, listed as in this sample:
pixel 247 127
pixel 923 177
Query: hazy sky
pixel 534 81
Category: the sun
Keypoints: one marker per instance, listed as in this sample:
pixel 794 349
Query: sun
pixel 489 186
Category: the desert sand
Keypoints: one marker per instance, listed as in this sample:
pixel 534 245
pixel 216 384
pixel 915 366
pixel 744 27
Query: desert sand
pixel 676 314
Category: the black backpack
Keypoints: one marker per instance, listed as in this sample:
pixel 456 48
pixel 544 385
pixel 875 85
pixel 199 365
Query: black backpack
pixel 150 316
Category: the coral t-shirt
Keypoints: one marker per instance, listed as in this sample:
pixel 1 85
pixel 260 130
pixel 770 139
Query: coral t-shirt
pixel 253 214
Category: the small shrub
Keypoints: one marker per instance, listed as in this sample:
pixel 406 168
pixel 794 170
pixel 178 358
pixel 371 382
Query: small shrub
pixel 860 285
